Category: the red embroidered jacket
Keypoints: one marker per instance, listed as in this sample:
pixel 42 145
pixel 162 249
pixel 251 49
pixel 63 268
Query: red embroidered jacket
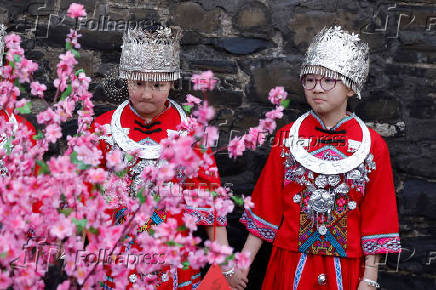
pixel 364 218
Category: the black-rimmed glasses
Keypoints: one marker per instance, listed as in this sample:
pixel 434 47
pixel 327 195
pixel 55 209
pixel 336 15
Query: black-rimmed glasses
pixel 309 82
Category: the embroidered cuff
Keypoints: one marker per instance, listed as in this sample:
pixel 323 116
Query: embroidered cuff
pixel 206 216
pixel 380 244
pixel 258 226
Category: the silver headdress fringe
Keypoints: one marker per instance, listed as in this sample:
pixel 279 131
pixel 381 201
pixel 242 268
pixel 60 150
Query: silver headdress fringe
pixel 2 42
pixel 336 53
pixel 151 56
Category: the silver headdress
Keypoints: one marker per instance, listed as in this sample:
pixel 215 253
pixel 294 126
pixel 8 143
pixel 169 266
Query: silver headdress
pixel 336 53
pixel 151 55
pixel 2 42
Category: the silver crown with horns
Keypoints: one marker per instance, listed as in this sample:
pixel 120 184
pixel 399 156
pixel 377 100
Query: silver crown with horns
pixel 338 54
pixel 151 55
pixel 2 42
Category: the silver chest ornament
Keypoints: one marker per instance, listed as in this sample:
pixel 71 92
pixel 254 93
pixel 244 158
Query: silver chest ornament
pixel 325 181
pixel 321 201
pixel 323 194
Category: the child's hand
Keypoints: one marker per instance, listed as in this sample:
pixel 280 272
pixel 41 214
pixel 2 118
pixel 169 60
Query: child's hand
pixel 239 280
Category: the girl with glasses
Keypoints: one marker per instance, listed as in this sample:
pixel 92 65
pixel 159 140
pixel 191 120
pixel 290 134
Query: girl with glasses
pixel 325 198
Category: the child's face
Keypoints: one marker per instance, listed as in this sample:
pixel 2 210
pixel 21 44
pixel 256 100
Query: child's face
pixel 148 98
pixel 325 101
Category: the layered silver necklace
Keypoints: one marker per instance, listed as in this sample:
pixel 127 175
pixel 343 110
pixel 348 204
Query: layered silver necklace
pixel 121 135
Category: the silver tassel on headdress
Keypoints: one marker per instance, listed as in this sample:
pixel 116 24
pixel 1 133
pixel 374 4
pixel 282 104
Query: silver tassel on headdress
pixel 339 54
pixel 151 55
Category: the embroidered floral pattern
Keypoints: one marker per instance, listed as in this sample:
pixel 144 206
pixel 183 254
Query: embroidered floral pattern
pixel 327 239
pixel 258 226
pixel 206 216
pixel 380 244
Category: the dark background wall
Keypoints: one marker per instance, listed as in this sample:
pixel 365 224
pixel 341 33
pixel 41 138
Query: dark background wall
pixel 253 46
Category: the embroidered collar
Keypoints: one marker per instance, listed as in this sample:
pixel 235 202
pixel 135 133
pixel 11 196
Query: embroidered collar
pixel 317 165
pixel 345 119
pixel 121 137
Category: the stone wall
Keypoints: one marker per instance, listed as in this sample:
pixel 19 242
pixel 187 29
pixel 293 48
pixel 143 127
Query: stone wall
pixel 253 46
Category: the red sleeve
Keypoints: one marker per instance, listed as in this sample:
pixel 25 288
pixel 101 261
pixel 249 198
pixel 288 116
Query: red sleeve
pixel 102 145
pixel 379 218
pixel 264 219
pixel 206 216
pixel 29 127
pixel 36 206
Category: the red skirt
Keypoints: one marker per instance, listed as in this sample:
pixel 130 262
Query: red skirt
pixel 294 270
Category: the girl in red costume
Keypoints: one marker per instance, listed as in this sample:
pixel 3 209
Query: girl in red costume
pixel 325 198
pixel 141 122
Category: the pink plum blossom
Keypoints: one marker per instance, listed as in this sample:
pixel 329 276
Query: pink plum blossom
pixel 277 94
pixel 114 159
pixel 197 259
pixel 192 100
pixel 12 41
pixel 242 260
pixel 268 125
pixel 254 138
pixel 210 136
pixel 21 103
pixel 53 132
pixel 25 68
pixel 72 38
pixel 88 154
pixel 217 253
pixel 76 11
pixel 275 114
pixel 205 113
pixel 97 175
pixel 62 228
pixel 204 81
pixel 38 89
pixel 236 147
pixel 47 116
pixel 248 203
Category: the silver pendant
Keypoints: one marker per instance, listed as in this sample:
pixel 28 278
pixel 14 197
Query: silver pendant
pixel 297 198
pixel 321 201
pixel 342 188
pixel 321 181
pixel 334 179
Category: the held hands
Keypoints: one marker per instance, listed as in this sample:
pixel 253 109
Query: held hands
pixel 239 280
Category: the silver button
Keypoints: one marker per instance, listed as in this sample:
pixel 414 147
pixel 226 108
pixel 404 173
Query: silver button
pixel 322 279
pixel 322 231
pixel 297 198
